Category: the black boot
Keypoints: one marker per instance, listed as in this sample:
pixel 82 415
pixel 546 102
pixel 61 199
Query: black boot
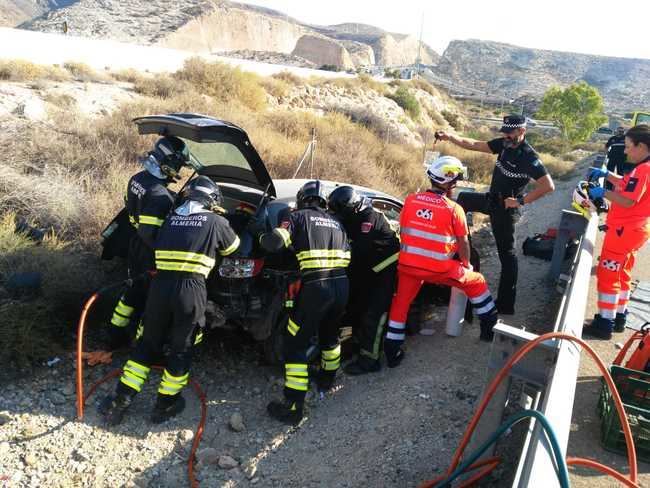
pixel 326 381
pixel 113 408
pixel 167 406
pixel 362 365
pixel 619 322
pixel 394 353
pixel 487 326
pixel 600 328
pixel 286 411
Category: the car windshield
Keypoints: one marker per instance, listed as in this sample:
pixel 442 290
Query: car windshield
pixel 207 154
pixel 643 119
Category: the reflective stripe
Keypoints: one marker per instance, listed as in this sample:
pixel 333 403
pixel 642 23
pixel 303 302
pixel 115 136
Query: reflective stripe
pixel 481 297
pixel 490 306
pixel 396 325
pixel 187 267
pixel 607 313
pixel 140 330
pixel 324 263
pixel 118 321
pixel 624 295
pixel 150 220
pixel 133 221
pixel 296 370
pixel 288 304
pixel 198 339
pixel 172 385
pixel 330 354
pixel 395 337
pixel 300 384
pixel 186 256
pixel 621 308
pixel 131 384
pixel 323 253
pixel 386 263
pixel 232 248
pixel 124 309
pixel 410 231
pixel 137 368
pixel 284 234
pixel 426 253
pixel 331 358
pixel 292 327
pixel 608 298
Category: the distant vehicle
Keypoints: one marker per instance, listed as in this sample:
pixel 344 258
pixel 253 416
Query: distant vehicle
pixel 641 118
pixel 604 130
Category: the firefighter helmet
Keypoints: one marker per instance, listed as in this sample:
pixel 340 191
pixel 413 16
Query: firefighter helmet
pixel 171 153
pixel 446 169
pixel 345 200
pixel 205 191
pixel 311 194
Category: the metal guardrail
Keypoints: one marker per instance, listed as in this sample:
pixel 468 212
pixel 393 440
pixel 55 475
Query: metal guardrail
pixel 549 373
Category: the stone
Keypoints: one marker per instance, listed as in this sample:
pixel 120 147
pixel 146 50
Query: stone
pixel 250 470
pixel 186 435
pixel 4 418
pixel 209 455
pixel 57 398
pixel 237 422
pixel 227 462
pixel 4 448
pixel 30 459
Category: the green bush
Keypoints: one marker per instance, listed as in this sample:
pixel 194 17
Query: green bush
pixel 405 99
pixel 453 119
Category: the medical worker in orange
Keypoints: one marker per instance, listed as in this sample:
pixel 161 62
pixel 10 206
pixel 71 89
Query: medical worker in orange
pixel 435 249
pixel 627 230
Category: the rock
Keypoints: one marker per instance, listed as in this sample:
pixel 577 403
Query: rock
pixel 209 455
pixel 237 422
pixel 4 448
pixel 186 435
pixel 227 462
pixel 250 470
pixel 4 418
pixel 57 398
pixel 30 459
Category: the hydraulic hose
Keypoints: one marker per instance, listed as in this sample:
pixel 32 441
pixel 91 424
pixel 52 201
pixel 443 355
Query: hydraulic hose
pixel 494 384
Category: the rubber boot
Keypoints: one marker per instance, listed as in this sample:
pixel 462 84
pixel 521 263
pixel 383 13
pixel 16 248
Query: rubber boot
pixel 394 353
pixel 288 412
pixel 619 322
pixel 113 407
pixel 167 406
pixel 363 365
pixel 600 328
pixel 487 326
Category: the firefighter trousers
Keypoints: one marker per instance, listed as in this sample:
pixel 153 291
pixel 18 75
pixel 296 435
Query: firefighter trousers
pixel 174 314
pixel 373 295
pixel 410 280
pixel 614 273
pixel 315 317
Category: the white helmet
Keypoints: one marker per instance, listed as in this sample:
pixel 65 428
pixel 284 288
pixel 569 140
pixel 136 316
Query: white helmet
pixel 581 201
pixel 446 169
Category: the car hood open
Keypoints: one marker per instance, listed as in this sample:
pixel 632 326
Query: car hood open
pixel 205 129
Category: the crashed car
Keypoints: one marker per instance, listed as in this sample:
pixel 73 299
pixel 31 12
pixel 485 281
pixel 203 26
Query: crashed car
pixel 250 289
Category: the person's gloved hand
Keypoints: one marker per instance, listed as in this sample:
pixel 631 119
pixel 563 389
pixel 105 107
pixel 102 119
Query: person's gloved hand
pixel 595 173
pixel 596 192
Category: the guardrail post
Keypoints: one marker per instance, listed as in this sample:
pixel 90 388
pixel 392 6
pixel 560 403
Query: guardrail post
pixel 571 224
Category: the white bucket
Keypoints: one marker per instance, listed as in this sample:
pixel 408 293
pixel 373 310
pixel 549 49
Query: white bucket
pixel 456 312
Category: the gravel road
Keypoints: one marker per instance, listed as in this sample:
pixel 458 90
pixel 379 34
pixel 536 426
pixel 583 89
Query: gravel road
pixel 392 428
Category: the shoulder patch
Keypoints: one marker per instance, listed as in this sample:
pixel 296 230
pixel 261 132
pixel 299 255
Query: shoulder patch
pixel 631 185
pixel 366 227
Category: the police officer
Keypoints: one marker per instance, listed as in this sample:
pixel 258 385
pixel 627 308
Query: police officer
pixel 433 230
pixel 627 231
pixel 375 248
pixel 321 247
pixel 516 165
pixel 148 201
pixel 186 250
pixel 615 149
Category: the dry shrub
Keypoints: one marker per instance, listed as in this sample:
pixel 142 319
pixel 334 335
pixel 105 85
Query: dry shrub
pixel 288 77
pixel 424 85
pixel 61 100
pixel 160 86
pixel 559 167
pixel 369 82
pixel 128 75
pixel 224 82
pixel 275 87
pixel 20 70
pixel 83 72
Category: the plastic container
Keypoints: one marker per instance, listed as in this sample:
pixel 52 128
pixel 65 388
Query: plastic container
pixel 456 313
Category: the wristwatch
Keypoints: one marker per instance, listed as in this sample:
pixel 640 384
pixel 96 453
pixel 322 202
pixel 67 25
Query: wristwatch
pixel 520 200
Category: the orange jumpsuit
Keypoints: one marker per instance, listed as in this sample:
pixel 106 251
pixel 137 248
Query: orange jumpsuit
pixel 430 225
pixel 628 230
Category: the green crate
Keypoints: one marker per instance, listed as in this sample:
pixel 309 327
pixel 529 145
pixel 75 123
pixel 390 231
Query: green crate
pixel 632 385
pixel 611 433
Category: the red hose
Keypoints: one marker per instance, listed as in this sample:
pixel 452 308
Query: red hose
pixel 631 453
pixel 80 348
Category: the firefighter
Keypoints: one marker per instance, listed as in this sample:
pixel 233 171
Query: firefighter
pixel 615 149
pixel 372 273
pixel 433 231
pixel 186 250
pixel 321 247
pixel 516 165
pixel 627 230
pixel 148 201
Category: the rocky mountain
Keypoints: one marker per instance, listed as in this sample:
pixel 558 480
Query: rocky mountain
pixel 503 70
pixel 14 12
pixel 210 26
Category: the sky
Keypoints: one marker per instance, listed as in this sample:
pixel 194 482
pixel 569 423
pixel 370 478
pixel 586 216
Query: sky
pixel 590 27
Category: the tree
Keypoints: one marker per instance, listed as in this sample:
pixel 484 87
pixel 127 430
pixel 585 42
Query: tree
pixel 577 110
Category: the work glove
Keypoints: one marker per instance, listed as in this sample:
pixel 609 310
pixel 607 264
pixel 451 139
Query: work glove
pixel 595 173
pixel 596 192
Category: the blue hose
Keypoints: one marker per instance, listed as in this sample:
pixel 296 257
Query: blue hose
pixel 562 472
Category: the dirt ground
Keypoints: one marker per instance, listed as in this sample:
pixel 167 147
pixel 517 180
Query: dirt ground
pixel 392 428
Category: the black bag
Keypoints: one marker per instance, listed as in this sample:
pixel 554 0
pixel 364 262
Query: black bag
pixel 541 246
pixel 117 236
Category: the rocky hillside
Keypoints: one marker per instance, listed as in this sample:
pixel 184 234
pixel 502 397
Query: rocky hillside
pixel 14 12
pixel 209 26
pixel 511 71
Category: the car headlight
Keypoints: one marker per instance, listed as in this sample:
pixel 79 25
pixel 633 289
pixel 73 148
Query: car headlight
pixel 240 267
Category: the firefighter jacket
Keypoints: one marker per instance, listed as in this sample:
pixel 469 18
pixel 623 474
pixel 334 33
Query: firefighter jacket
pixel 430 225
pixel 148 201
pixel 374 243
pixel 191 239
pixel 319 241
